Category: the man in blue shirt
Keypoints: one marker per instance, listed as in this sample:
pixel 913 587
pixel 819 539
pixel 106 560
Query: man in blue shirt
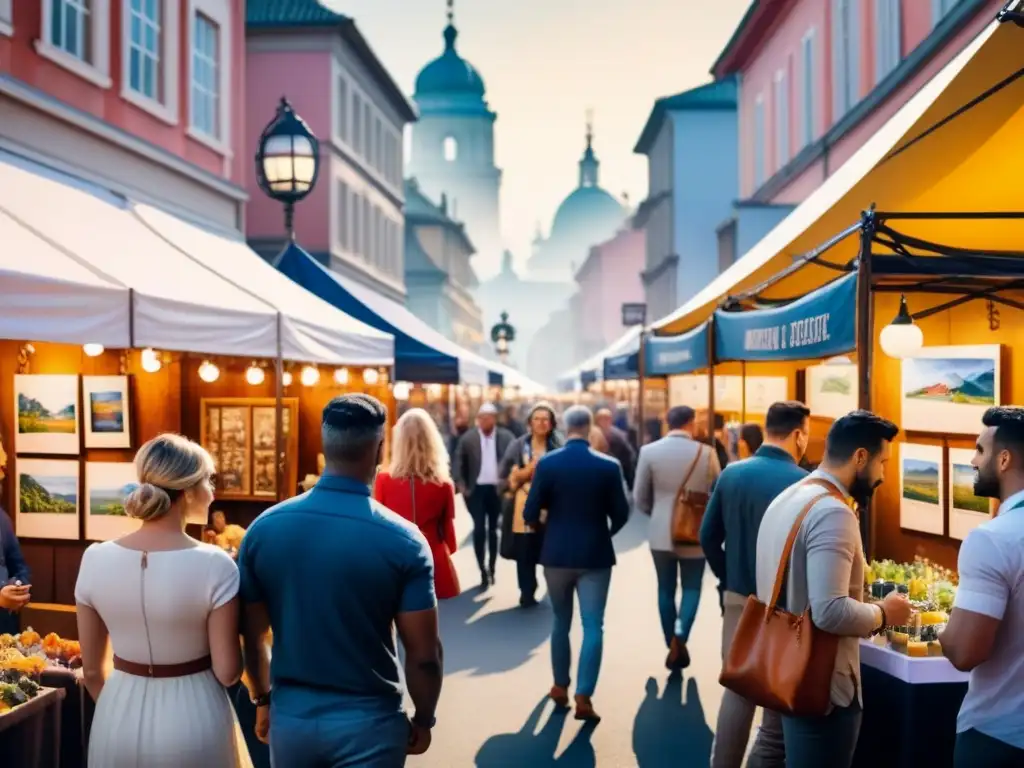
pixel 13 596
pixel 331 573
pixel 728 536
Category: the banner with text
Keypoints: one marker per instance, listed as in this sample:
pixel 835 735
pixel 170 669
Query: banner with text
pixel 820 324
pixel 622 366
pixel 674 355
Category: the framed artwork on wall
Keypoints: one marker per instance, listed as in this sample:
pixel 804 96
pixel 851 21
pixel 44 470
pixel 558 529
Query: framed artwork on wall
pixel 922 490
pixel 831 389
pixel 966 511
pixel 46 409
pixel 46 498
pixel 946 390
pixel 762 391
pixel 107 412
pixel 107 484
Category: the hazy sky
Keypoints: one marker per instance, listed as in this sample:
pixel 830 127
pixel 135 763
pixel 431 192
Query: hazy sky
pixel 545 62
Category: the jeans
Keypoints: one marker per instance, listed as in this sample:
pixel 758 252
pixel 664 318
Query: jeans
pixel 591 587
pixel 346 741
pixel 485 508
pixel 976 750
pixel 690 573
pixel 526 570
pixel 819 742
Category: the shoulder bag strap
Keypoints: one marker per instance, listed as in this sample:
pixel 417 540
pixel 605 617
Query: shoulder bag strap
pixel 412 489
pixel 693 466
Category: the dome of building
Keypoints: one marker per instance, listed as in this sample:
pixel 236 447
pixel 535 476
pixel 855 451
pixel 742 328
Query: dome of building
pixel 449 73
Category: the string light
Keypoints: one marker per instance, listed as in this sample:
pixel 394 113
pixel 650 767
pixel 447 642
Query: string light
pixel 310 376
pixel 255 375
pixel 371 376
pixel 151 360
pixel 341 376
pixel 92 350
pixel 209 372
pixel 401 390
pixel 286 379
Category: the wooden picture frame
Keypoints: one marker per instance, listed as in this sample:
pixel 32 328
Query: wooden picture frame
pixel 240 434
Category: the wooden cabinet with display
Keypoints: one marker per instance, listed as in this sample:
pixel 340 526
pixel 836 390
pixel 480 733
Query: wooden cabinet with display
pixel 241 433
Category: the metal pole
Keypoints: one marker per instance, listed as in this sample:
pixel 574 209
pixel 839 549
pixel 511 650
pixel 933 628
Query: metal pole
pixel 279 446
pixel 640 373
pixel 711 383
pixel 743 377
pixel 865 345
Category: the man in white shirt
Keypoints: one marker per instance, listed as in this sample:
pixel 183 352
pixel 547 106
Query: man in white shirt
pixel 985 634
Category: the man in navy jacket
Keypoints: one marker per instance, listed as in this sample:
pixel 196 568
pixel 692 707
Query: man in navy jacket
pixel 584 496
pixel 12 569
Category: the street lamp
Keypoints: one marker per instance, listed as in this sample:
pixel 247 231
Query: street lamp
pixel 502 334
pixel 901 338
pixel 287 161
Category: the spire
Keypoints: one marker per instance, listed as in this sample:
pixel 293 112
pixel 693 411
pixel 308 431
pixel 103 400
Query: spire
pixel 450 33
pixel 589 163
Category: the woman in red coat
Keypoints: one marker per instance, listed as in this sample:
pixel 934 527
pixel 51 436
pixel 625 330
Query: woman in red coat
pixel 418 486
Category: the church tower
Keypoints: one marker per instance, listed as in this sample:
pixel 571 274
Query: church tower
pixel 452 149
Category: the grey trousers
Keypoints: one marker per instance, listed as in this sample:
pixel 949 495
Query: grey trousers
pixel 736 715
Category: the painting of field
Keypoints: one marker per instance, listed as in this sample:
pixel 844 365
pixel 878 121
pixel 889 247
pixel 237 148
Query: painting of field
pixel 107 417
pixel 921 481
pixel 832 389
pixel 106 411
pixel 947 389
pixel 921 488
pixel 107 484
pixel 966 511
pixel 47 413
pixel 47 499
pixel 963 490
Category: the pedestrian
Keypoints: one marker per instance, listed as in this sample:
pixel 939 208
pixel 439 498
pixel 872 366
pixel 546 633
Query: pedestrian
pixel 475 471
pixel 584 496
pixel 985 633
pixel 515 475
pixel 333 574
pixel 826 574
pixel 751 438
pixel 418 486
pixel 664 467
pixel 618 442
pixel 728 536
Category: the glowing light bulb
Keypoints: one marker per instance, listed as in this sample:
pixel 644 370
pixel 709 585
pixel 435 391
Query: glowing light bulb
pixel 310 376
pixel 434 390
pixel 151 361
pixel 255 375
pixel 287 379
pixel 371 376
pixel 401 390
pixel 92 350
pixel 902 337
pixel 209 372
pixel 341 376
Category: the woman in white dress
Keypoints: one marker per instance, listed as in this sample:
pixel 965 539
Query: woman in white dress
pixel 169 606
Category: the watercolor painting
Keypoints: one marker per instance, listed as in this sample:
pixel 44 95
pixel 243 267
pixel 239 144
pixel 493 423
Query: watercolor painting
pixel 46 498
pixel 921 488
pixel 47 413
pixel 966 511
pixel 107 484
pixel 107 418
pixel 832 389
pixel 947 389
pixel 763 391
pixel 692 390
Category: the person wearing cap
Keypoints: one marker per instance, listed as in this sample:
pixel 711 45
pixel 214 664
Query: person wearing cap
pixel 478 455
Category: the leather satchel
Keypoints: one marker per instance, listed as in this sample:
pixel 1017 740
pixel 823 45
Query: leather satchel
pixel 688 508
pixel 778 660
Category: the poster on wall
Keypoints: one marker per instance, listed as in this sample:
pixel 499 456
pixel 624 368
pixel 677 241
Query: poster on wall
pixel 921 488
pixel 692 390
pixel 966 511
pixel 947 389
pixel 106 412
pixel 832 389
pixel 107 484
pixel 47 413
pixel 762 391
pixel 46 499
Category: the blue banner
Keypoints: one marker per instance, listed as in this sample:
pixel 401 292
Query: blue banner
pixel 674 355
pixel 820 324
pixel 622 366
pixel 587 378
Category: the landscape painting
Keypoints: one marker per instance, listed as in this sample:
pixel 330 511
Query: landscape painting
pixel 966 511
pixel 47 413
pixel 46 499
pixel 947 389
pixel 921 488
pixel 762 391
pixel 106 486
pixel 832 389
pixel 107 412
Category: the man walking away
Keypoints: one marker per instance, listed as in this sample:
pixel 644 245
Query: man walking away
pixel 584 495
pixel 341 592
pixel 475 472
pixel 728 537
pixel 826 573
pixel 618 444
pixel 985 634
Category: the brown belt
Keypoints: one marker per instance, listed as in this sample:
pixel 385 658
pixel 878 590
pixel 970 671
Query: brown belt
pixel 163 670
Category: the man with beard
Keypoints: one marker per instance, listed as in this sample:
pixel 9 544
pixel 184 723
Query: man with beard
pixel 826 573
pixel 985 634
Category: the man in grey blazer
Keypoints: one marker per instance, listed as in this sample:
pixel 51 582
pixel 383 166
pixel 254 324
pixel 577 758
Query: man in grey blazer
pixel 478 455
pixel 826 572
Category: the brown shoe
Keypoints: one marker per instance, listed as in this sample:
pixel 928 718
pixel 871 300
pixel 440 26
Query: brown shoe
pixel 585 710
pixel 678 656
pixel 560 696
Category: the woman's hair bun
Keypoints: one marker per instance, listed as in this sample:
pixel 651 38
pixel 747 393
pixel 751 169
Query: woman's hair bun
pixel 147 502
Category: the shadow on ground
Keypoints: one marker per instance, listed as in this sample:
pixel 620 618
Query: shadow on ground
pixel 633 534
pixel 530 748
pixel 669 732
pixel 499 641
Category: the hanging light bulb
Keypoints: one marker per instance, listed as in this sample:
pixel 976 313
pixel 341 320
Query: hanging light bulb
pixel 151 360
pixel 310 376
pixel 341 376
pixel 209 372
pixel 255 375
pixel 902 337
pixel 371 376
pixel 286 379
pixel 401 390
pixel 92 350
pixel 434 390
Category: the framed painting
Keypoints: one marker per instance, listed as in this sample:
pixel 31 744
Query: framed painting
pixel 922 489
pixel 107 484
pixel 106 405
pixel 46 498
pixel 46 408
pixel 966 511
pixel 946 390
pixel 762 392
pixel 831 389
pixel 688 389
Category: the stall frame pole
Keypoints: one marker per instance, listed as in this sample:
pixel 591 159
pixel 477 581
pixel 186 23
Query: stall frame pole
pixel 640 376
pixel 279 447
pixel 865 345
pixel 711 382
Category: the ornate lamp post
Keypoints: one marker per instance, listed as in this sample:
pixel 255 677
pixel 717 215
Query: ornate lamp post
pixel 503 334
pixel 287 161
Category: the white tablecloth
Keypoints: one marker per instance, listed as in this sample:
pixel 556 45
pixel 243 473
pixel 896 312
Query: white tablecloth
pixel 931 669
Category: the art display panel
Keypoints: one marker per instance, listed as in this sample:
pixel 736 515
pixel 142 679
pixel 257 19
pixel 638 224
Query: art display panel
pixel 46 498
pixel 922 488
pixel 46 414
pixel 966 511
pixel 107 484
pixel 692 390
pixel 831 389
pixel 107 412
pixel 763 391
pixel 946 390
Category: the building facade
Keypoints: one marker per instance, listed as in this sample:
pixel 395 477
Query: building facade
pixel 439 278
pixel 353 220
pixel 143 99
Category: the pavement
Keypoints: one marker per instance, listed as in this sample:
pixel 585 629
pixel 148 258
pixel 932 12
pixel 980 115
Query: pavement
pixel 494 711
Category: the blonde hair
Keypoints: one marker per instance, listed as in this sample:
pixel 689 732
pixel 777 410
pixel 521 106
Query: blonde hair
pixel 597 440
pixel 167 465
pixel 418 450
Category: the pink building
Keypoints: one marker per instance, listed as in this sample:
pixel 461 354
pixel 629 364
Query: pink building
pixel 609 278
pixel 142 98
pixel 820 77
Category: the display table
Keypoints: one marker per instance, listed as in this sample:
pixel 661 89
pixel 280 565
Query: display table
pixel 30 733
pixel 910 708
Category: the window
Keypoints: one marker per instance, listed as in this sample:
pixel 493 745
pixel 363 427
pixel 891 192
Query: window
pixel 808 67
pixel 343 224
pixel 342 116
pixel 940 8
pixel 378 147
pixel 888 50
pixel 71 27
pixel 781 119
pixel 205 76
pixel 845 56
pixel 357 223
pixel 357 123
pixel 368 233
pixel 451 149
pixel 76 35
pixel 759 139
pixel 145 43
pixel 367 132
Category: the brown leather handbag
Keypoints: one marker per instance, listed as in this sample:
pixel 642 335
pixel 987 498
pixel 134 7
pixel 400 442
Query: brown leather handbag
pixel 688 508
pixel 778 660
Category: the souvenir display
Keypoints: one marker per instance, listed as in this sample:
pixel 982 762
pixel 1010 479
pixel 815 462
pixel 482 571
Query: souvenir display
pixel 946 390
pixel 47 414
pixel 105 403
pixel 831 389
pixel 46 498
pixel 107 484
pixel 966 511
pixel 23 659
pixel 922 490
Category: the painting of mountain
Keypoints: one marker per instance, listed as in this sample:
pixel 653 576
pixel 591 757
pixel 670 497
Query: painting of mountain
pixel 46 409
pixel 48 495
pixel 948 389
pixel 107 485
pixel 921 488
pixel 47 498
pixel 831 389
pixel 921 480
pixel 965 381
